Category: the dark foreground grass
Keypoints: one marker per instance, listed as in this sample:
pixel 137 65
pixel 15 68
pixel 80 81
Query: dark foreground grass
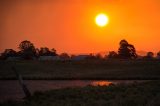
pixel 137 94
pixel 94 69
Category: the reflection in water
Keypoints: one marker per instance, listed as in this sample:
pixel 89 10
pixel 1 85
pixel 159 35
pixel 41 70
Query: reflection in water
pixel 10 89
pixel 101 83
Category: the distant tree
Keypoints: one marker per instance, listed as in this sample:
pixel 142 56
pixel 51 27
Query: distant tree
pixel 37 52
pixel 44 51
pixel 26 45
pixel 8 53
pixel 73 56
pixel 158 55
pixel 112 54
pixel 27 50
pixel 150 55
pixel 98 56
pixel 1 58
pixel 64 56
pixel 54 52
pixel 126 50
pixel 91 56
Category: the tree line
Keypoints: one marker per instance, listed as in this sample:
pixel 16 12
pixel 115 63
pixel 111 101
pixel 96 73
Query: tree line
pixel 28 51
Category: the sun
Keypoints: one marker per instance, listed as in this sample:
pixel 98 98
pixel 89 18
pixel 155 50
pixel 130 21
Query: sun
pixel 102 20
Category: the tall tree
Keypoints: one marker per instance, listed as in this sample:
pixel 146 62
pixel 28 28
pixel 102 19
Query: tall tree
pixel 126 50
pixel 27 50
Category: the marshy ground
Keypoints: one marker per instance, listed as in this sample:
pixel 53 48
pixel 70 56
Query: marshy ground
pixel 137 94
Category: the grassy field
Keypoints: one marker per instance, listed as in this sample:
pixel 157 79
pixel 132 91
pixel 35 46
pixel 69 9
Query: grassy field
pixel 137 94
pixel 97 69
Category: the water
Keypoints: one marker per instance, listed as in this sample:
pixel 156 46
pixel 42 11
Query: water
pixel 10 89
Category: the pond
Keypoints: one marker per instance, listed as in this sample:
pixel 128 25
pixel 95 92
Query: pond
pixel 11 89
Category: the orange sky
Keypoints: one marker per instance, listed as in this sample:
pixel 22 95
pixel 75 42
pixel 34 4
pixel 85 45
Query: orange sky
pixel 69 26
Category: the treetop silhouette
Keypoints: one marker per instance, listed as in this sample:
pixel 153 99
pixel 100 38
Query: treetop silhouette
pixel 126 50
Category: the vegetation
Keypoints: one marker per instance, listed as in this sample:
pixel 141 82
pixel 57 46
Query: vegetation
pixel 29 52
pixel 112 55
pixel 137 94
pixel 44 51
pixel 126 50
pixel 122 65
pixel 87 69
pixel 150 55
pixel 9 52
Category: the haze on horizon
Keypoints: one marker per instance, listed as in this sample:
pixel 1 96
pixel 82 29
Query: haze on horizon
pixel 69 26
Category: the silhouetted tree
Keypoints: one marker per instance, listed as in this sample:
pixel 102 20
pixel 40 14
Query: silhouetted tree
pixel 91 56
pixel 64 56
pixel 150 55
pixel 37 52
pixel 112 54
pixel 98 56
pixel 44 51
pixel 1 58
pixel 126 50
pixel 158 55
pixel 54 52
pixel 27 50
pixel 73 56
pixel 9 53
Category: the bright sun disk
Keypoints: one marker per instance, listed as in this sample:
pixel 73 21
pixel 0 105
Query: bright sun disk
pixel 102 20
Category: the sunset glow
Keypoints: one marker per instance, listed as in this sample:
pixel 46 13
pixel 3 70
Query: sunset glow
pixel 69 25
pixel 80 52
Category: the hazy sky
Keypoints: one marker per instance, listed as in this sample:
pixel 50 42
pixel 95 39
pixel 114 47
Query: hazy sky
pixel 69 25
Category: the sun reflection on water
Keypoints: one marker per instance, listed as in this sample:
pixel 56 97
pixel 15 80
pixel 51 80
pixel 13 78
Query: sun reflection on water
pixel 101 83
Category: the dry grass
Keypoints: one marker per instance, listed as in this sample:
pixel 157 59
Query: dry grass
pixel 109 69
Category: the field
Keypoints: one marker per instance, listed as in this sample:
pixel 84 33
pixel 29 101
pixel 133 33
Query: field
pixel 96 69
pixel 137 94
pixel 142 94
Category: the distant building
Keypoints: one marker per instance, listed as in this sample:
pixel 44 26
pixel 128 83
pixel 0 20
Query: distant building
pixel 80 57
pixel 49 58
